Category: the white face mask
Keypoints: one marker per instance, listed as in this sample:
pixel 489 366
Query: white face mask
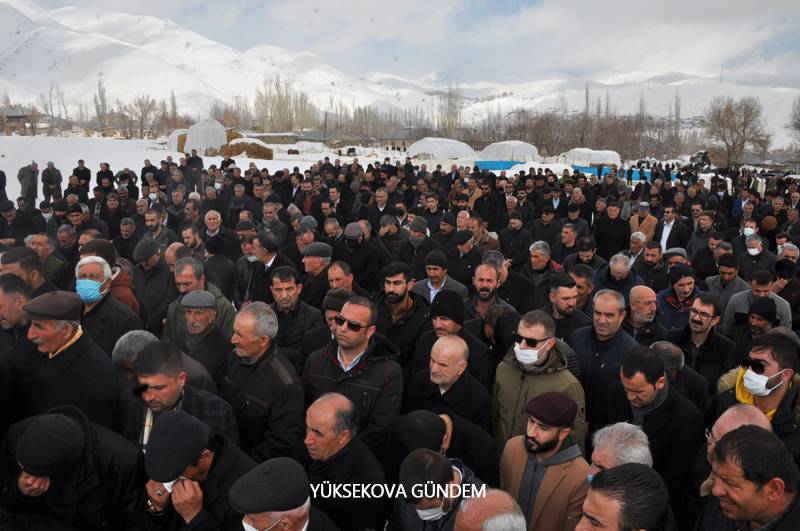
pixel 252 258
pixel 248 527
pixel 48 216
pixel 430 515
pixel 153 196
pixel 748 231
pixel 756 384
pixel 780 249
pixel 753 252
pixel 526 356
pixel 168 485
pixel 720 194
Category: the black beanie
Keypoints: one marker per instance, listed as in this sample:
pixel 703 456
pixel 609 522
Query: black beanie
pixel 50 444
pixel 764 307
pixel 448 304
pixel 436 258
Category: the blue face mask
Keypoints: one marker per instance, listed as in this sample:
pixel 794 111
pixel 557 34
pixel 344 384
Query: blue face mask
pixel 591 477
pixel 88 290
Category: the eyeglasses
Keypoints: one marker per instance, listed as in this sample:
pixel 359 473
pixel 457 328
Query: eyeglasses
pixel 529 340
pixel 702 315
pixel 353 326
pixel 757 366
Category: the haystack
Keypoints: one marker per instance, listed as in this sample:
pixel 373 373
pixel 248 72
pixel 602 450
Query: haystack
pixel 258 151
pixel 232 150
pixel 232 135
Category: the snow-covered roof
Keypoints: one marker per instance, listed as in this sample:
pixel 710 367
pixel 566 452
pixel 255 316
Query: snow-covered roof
pixel 586 156
pixel 440 148
pixel 172 141
pixel 510 150
pixel 205 134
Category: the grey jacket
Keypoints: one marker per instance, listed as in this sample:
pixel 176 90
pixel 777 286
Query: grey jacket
pixel 725 292
pixel 740 303
pixel 422 288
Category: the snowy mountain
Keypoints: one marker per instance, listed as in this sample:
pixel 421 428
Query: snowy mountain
pixel 134 54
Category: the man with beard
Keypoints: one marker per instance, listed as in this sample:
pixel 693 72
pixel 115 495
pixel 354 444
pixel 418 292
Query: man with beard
pixel 542 469
pixel 583 275
pixel 727 283
pixel 641 321
pixel 738 308
pixel 483 293
pixel 563 306
pixel 651 269
pixel 705 349
pixel 587 254
pixel 761 319
pixel 402 314
pixel 438 279
pixel 674 302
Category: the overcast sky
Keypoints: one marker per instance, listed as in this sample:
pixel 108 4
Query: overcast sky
pixel 504 40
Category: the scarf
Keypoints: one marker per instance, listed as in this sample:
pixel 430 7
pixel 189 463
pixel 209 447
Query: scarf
pixel 680 306
pixel 639 413
pixel 534 474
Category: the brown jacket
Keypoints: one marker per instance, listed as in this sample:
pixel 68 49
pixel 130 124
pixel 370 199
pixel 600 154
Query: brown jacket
pixel 648 226
pixel 561 492
pixel 122 289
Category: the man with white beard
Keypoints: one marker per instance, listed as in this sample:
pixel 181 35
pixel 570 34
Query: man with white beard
pixel 641 322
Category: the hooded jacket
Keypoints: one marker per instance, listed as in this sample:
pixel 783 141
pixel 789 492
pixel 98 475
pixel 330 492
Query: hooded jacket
pixel 374 385
pixel 515 385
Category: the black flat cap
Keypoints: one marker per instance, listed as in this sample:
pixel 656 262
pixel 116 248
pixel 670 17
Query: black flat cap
pixel 276 485
pixel 176 441
pixel 548 209
pixel 448 218
pixel 245 225
pixel 215 245
pixel 463 236
pixel 146 248
pixel 6 205
pixel 50 444
pixel 55 305
pixel 75 209
pixel 320 249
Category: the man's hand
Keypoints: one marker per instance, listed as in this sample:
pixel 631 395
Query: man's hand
pixel 187 499
pixel 32 486
pixel 159 497
pixel 8 241
pixel 779 284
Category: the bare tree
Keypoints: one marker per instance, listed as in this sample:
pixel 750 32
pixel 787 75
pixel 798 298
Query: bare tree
pixel 142 111
pixel 449 111
pixel 736 125
pixel 794 118
pixel 101 105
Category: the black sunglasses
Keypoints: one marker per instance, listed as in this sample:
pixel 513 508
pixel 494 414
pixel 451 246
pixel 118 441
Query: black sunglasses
pixel 757 366
pixel 529 340
pixel 353 326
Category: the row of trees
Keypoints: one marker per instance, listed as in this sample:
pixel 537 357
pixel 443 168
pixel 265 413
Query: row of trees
pixel 735 126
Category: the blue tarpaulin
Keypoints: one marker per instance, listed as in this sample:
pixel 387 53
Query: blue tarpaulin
pixel 496 164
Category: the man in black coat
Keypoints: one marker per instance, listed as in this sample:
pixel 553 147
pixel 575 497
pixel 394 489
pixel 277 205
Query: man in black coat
pixel 214 227
pixel 462 261
pixel 361 365
pixel 402 314
pixel 447 384
pixel 14 226
pixel 338 457
pixel 611 232
pixel 220 270
pixel 153 285
pixel 416 249
pixel 677 232
pixel 363 257
pixel 673 424
pixel 316 259
pixel 62 466
pixel 75 371
pixel 515 241
pixel 256 287
pixel 205 342
pixel 563 306
pixel 263 387
pixel 295 317
pixel 190 471
pixel 277 492
pixel 105 319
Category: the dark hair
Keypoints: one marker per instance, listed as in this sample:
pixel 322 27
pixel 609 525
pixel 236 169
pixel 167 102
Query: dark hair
pixel 365 303
pixel 728 260
pixel 582 271
pixel 26 257
pixel 102 248
pixel 711 299
pixel 762 277
pixel 284 274
pixel 640 492
pixel 188 225
pixel 12 284
pixel 423 466
pixel 268 241
pixel 344 266
pixel 715 235
pixel 642 359
pixel 761 455
pixel 158 357
pixel 561 280
pixel 782 348
pixel 538 317
pixel 397 268
pixel 653 245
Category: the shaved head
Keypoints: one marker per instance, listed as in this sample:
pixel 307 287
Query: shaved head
pixel 642 291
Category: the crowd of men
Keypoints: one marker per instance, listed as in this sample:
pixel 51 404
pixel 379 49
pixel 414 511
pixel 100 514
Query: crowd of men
pixel 218 348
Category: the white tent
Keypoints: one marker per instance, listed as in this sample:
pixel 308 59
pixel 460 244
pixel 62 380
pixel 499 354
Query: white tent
pixel 587 157
pixel 440 149
pixel 172 143
pixel 205 134
pixel 510 150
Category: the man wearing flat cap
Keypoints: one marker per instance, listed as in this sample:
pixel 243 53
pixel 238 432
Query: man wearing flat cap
pixel 205 341
pixel 73 370
pixel 316 259
pixel 438 279
pixel 153 284
pixel 515 240
pixel 643 221
pixel 276 495
pixel 543 469
pixel 463 260
pixel 416 249
pixel 191 470
pixel 391 235
pixel 220 269
pixel 64 472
